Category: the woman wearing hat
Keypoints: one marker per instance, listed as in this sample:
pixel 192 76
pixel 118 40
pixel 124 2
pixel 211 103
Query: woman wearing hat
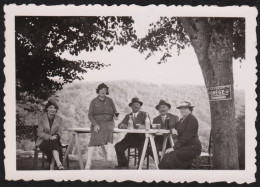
pixel 188 145
pixel 49 133
pixel 102 112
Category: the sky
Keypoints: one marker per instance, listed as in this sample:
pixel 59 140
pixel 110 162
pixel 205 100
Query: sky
pixel 129 64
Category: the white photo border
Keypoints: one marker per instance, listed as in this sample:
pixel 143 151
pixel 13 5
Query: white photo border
pixel 201 176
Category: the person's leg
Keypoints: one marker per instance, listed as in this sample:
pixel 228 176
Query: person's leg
pixel 158 143
pixel 140 145
pixel 105 151
pixel 56 157
pixel 185 158
pixel 120 148
pixel 168 161
pixel 52 164
pixel 108 149
pixel 89 157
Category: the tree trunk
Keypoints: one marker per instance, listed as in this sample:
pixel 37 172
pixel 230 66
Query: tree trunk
pixel 212 42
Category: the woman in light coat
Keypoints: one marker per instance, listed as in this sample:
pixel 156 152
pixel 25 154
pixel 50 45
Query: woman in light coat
pixel 49 134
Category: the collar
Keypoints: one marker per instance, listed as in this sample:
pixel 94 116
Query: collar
pixel 183 118
pixel 163 116
pixel 135 113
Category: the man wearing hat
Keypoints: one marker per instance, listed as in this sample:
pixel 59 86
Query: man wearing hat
pixel 131 139
pixel 166 120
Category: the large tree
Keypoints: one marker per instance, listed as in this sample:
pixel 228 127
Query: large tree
pixel 216 42
pixel 40 70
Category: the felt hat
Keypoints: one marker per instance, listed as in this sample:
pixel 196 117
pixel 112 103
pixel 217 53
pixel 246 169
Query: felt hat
pixel 51 102
pixel 162 102
pixel 185 104
pixel 103 85
pixel 135 100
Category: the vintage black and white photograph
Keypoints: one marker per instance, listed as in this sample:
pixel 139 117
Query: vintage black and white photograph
pixel 142 89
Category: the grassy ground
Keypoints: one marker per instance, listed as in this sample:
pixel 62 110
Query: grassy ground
pixel 25 162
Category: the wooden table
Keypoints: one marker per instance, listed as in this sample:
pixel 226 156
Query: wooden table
pixel 149 136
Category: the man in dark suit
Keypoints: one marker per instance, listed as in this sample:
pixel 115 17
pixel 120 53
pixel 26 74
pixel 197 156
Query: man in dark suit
pixel 166 120
pixel 131 140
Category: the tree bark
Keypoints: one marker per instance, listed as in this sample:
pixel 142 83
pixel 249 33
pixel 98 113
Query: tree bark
pixel 212 42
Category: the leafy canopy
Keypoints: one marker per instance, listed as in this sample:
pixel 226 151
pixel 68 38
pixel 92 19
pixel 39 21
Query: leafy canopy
pixel 40 41
pixel 168 34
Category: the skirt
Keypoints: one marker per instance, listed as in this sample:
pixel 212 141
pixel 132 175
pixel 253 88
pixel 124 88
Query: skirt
pixel 47 146
pixel 104 135
pixel 178 159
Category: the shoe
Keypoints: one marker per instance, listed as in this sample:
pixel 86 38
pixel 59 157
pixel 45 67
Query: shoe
pixel 121 167
pixel 109 164
pixel 88 167
pixel 60 167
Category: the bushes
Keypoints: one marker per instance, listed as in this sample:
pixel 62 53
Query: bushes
pixel 25 145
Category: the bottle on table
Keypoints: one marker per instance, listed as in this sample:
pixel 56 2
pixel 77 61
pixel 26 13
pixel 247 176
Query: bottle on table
pixel 167 123
pixel 130 123
pixel 147 122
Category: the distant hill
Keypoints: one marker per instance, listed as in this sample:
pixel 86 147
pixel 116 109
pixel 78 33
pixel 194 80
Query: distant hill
pixel 75 98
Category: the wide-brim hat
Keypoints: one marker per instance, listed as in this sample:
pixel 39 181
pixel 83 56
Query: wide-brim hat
pixel 185 104
pixel 135 100
pixel 162 102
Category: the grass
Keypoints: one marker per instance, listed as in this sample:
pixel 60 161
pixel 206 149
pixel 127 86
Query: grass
pixel 24 161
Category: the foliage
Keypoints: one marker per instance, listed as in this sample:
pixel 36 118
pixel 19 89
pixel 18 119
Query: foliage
pixel 41 40
pixel 168 35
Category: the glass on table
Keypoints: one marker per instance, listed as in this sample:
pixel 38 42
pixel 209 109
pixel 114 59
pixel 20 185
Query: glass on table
pixel 156 126
pixel 140 126
pixel 116 116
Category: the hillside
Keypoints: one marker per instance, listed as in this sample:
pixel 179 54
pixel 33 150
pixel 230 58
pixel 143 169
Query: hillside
pixel 74 100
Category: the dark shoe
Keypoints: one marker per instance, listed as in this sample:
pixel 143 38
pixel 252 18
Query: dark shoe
pixel 121 167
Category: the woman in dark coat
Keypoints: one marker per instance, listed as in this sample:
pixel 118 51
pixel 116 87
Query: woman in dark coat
pixel 49 133
pixel 188 145
pixel 102 112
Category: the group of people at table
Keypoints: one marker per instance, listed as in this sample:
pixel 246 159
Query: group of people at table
pixel 102 113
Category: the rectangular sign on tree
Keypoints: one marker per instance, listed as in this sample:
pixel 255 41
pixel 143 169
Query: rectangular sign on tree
pixel 219 93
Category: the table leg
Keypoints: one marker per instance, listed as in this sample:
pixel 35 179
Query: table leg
pixel 155 155
pixel 68 149
pixel 165 139
pixel 144 151
pixel 79 152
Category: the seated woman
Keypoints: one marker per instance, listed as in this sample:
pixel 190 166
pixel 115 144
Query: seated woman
pixel 49 133
pixel 102 112
pixel 188 145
